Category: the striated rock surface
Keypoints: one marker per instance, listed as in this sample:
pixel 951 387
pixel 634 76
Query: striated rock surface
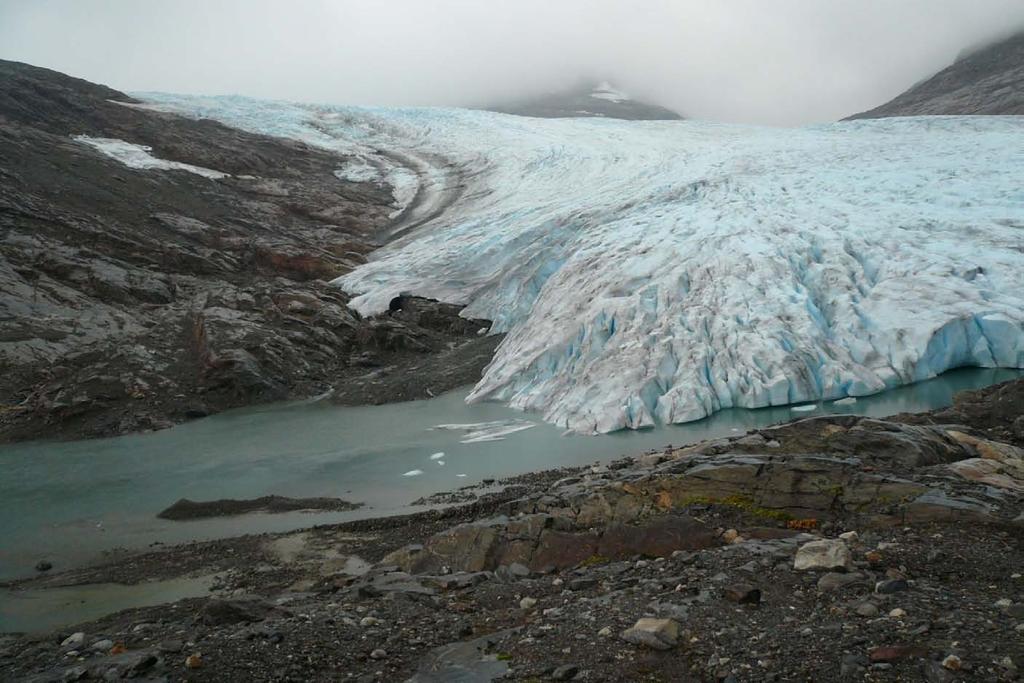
pixel 137 292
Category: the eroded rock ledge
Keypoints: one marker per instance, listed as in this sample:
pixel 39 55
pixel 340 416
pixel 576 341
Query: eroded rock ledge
pixel 868 472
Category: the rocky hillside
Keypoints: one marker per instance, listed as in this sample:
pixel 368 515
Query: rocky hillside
pixel 989 80
pixel 156 286
pixel 834 548
pixel 592 100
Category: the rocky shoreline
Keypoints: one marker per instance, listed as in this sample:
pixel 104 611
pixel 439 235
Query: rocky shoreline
pixel 836 547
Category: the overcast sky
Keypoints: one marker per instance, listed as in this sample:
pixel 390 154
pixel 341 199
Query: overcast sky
pixel 760 61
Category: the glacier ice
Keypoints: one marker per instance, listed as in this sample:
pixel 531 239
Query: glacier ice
pixel 661 271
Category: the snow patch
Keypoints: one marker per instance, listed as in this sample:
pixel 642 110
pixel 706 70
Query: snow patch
pixel 138 156
pixel 606 92
pixel 358 171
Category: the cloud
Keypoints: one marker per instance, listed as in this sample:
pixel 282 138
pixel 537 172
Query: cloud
pixel 779 62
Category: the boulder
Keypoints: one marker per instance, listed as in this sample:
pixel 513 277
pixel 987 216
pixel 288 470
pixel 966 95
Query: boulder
pixel 657 634
pixel 824 555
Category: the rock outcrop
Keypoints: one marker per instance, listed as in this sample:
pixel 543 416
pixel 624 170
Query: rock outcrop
pixel 988 80
pixel 135 298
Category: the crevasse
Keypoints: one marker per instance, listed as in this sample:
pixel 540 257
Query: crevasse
pixel 661 271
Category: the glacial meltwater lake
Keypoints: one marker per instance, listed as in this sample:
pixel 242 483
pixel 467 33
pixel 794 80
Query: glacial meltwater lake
pixel 66 503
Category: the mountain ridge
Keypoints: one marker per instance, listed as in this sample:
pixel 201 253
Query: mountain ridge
pixel 982 81
pixel 598 99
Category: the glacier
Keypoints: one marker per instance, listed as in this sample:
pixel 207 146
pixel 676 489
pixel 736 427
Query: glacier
pixel 648 272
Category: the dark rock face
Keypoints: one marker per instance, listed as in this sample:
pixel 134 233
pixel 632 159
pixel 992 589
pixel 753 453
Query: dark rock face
pixel 134 299
pixel 543 542
pixel 985 81
pixel 994 411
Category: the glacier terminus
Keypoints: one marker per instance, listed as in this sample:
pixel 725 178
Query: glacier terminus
pixel 659 271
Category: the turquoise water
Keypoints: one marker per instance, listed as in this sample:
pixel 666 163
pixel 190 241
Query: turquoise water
pixel 39 610
pixel 69 502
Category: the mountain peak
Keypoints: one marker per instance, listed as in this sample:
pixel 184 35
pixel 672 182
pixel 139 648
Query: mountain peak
pixel 983 80
pixel 592 99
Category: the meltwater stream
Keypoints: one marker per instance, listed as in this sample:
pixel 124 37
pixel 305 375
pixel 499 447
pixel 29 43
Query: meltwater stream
pixel 68 502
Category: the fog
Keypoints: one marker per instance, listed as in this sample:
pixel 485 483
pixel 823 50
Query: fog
pixel 781 62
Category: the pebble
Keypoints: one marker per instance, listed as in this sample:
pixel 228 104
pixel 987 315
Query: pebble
pixel 566 672
pixel 43 566
pixel 74 640
pixel 867 609
pixel 102 645
pixel 369 621
pixel 1004 603
pixel 582 584
pixel 891 586
pixel 898 613
pixel 952 662
pixel 378 654
pixel 605 632
pixel 743 593
pixel 194 661
pixel 170 646
pixel 833 581
pixel 849 536
pixel 527 603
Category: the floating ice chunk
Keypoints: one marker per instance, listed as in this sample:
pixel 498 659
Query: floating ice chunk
pixel 413 473
pixel 437 456
pixel 479 432
pixel 440 462
pixel 804 408
pixel 497 434
pixel 138 156
pixel 848 401
pixel 460 474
